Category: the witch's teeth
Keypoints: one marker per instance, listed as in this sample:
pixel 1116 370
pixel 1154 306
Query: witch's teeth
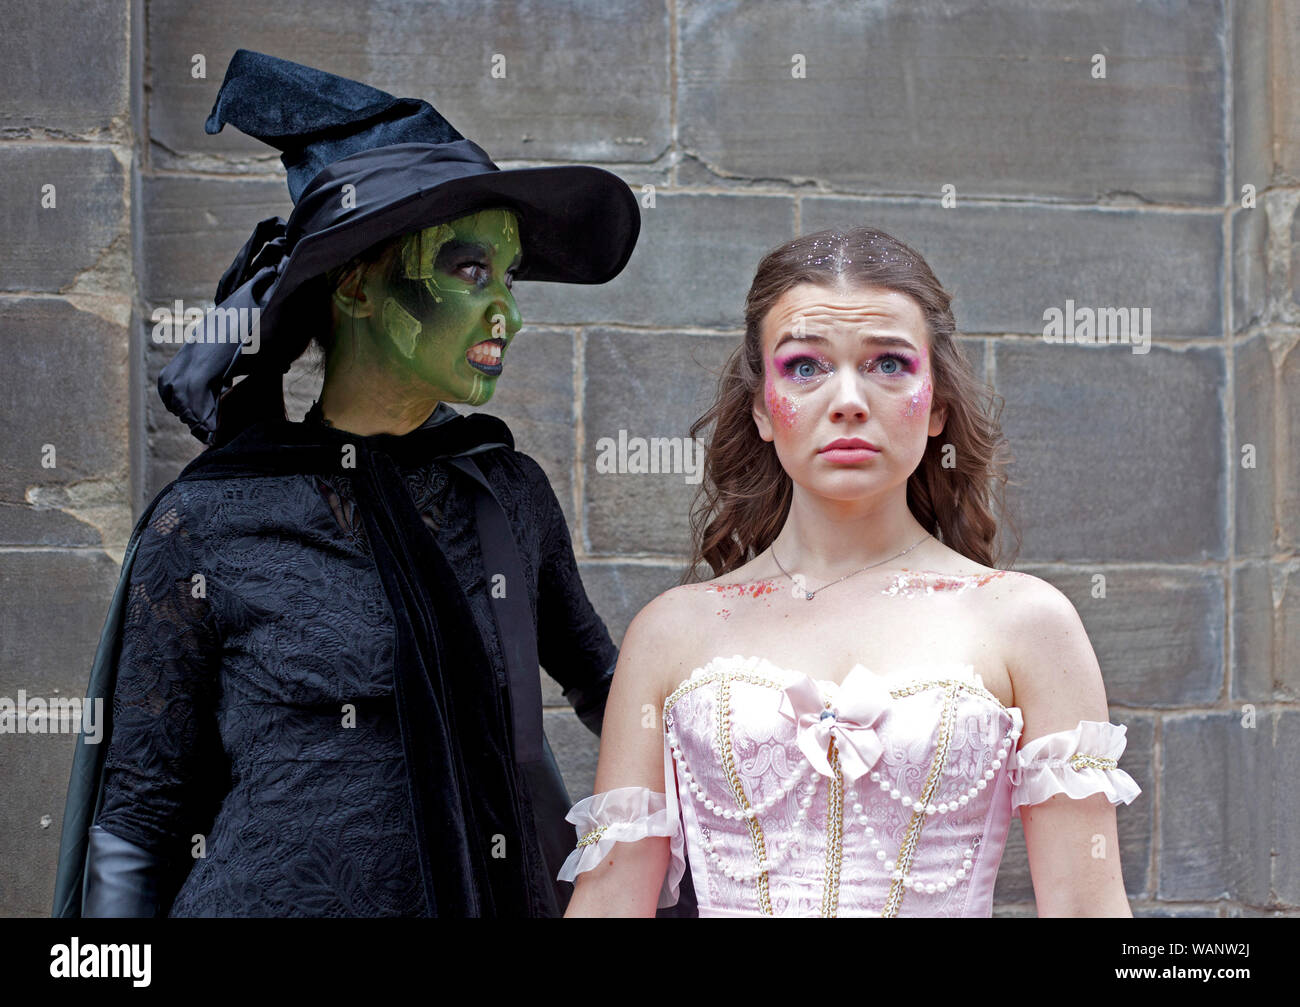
pixel 485 353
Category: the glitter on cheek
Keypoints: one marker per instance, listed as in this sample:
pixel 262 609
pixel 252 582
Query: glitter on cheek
pixel 784 411
pixel 780 407
pixel 919 403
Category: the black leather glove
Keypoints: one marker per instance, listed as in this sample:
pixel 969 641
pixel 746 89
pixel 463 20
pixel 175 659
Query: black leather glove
pixel 122 879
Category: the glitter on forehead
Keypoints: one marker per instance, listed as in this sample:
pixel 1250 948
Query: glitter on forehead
pixel 834 254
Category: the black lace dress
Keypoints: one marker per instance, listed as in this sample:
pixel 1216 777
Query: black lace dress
pixel 256 628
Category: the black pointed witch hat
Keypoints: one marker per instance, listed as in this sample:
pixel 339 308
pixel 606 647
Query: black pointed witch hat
pixel 365 166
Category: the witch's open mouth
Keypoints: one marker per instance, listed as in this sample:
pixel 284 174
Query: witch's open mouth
pixel 486 356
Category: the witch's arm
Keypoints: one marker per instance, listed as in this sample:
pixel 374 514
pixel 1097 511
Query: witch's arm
pixel 163 744
pixel 573 644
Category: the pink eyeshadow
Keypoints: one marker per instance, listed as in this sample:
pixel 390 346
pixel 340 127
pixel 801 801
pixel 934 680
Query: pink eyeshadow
pixel 781 362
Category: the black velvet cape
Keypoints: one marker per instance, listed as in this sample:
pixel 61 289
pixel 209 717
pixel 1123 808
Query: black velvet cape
pixel 485 798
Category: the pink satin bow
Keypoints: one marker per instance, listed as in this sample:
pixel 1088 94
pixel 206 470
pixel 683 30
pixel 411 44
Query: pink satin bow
pixel 861 699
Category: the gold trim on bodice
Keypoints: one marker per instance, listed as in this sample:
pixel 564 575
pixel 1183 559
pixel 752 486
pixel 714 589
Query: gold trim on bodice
pixel 835 784
pixel 834 835
pixel 913 835
pixel 726 748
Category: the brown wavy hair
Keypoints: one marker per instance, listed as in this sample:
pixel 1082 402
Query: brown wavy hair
pixel 745 493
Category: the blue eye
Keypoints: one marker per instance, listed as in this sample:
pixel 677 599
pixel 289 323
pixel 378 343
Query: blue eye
pixel 900 362
pixel 792 368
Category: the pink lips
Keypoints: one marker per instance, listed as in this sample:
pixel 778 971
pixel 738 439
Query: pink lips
pixel 846 450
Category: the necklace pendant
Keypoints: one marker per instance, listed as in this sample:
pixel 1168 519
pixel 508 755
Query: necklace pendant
pixel 808 595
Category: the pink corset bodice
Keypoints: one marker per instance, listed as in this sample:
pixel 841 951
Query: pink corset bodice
pixel 886 795
pixel 836 846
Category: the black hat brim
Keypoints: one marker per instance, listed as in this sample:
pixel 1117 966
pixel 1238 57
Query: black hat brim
pixel 578 223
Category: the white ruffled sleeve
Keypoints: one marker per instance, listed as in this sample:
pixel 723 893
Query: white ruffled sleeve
pixel 625 815
pixel 1079 763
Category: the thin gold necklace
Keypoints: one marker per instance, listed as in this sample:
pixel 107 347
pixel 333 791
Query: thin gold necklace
pixel 809 595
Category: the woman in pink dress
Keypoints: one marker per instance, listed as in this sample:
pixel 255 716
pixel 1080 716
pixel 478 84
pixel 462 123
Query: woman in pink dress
pixel 843 721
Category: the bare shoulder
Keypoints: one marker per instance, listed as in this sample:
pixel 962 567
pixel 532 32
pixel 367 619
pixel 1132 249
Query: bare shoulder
pixel 1054 671
pixel 663 612
pixel 663 639
pixel 1022 600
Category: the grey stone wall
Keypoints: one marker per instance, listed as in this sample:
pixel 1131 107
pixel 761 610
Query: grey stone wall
pixel 1171 473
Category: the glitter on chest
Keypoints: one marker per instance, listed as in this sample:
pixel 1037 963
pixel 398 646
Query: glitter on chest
pixel 917 585
pixel 754 589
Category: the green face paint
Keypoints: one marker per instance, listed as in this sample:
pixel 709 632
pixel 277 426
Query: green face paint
pixel 450 313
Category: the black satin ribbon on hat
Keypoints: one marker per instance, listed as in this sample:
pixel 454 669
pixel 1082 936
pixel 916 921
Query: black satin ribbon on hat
pixel 456 719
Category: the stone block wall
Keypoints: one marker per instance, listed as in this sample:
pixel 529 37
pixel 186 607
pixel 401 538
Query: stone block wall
pixel 1171 182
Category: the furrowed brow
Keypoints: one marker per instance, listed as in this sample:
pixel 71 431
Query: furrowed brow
pixel 898 341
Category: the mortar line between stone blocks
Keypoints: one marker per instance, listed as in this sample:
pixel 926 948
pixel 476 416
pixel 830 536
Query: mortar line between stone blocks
pixel 1157 766
pixel 1228 315
pixel 579 481
pixel 1228 57
pixel 674 46
pixel 987 200
pixel 141 81
pixel 1272 860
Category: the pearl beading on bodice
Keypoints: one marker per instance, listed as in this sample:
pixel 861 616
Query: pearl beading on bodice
pixel 805 779
pixel 883 761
